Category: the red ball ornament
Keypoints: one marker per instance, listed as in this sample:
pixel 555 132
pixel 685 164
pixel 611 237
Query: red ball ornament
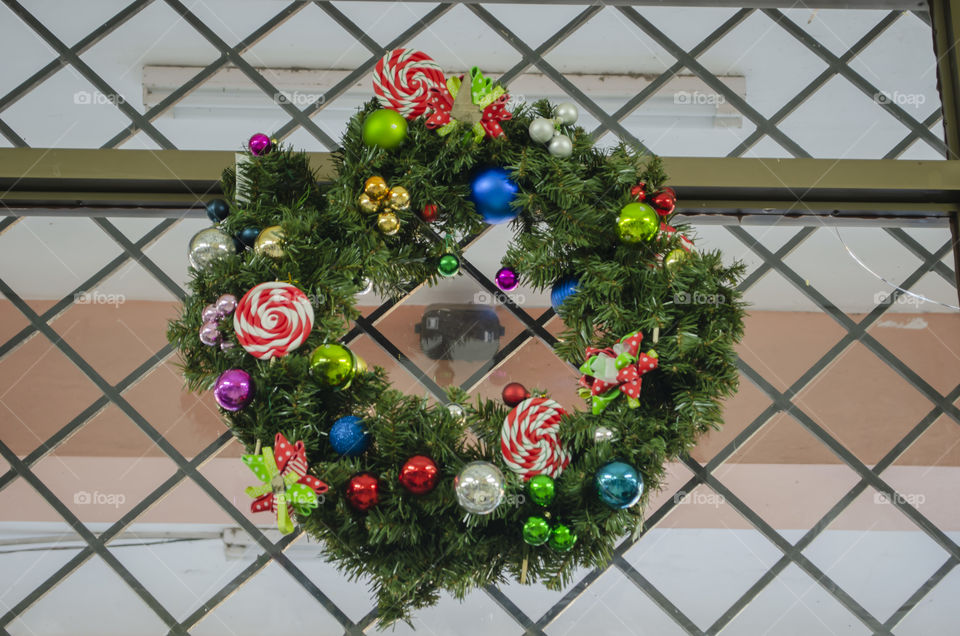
pixel 363 491
pixel 639 191
pixel 514 393
pixel 664 201
pixel 419 475
pixel 429 213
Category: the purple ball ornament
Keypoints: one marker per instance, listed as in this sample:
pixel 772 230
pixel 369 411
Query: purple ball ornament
pixel 259 145
pixel 507 279
pixel 234 389
pixel 211 314
pixel 226 304
pixel 209 333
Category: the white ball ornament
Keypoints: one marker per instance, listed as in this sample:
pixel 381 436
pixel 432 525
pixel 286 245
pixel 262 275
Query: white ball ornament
pixel 541 130
pixel 560 146
pixel 567 113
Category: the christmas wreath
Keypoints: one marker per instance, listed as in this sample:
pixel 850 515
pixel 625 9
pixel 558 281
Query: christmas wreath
pixel 418 497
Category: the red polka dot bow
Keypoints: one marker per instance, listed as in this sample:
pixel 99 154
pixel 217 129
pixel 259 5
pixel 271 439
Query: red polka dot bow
pixel 286 485
pixel 474 101
pixel 618 367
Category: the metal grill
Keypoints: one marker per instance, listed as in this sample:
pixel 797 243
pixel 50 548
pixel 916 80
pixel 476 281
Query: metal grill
pixel 534 325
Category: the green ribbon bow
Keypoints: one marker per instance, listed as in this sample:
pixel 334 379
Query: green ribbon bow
pixel 284 489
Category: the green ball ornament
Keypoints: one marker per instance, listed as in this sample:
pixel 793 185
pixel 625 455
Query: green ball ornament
pixel 674 259
pixel 638 222
pixel 541 489
pixel 384 128
pixel 333 365
pixel 449 265
pixel 562 539
pixel 536 531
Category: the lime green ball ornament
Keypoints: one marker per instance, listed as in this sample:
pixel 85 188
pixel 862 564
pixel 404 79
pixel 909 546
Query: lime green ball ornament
pixel 562 538
pixel 536 531
pixel 333 365
pixel 384 128
pixel 638 222
pixel 541 489
pixel 449 265
pixel 674 258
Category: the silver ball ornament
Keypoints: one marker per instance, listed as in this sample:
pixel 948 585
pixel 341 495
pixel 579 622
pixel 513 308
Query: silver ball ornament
pixel 456 411
pixel 560 146
pixel 208 246
pixel 479 487
pixel 566 112
pixel 602 434
pixel 367 286
pixel 541 130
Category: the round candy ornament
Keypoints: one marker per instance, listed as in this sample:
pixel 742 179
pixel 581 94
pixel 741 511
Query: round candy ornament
pixel 403 80
pixel 479 487
pixel 349 437
pixel 529 439
pixel 272 319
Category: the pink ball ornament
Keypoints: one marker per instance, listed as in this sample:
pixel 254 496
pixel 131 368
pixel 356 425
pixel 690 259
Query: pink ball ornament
pixel 259 144
pixel 209 333
pixel 226 304
pixel 210 314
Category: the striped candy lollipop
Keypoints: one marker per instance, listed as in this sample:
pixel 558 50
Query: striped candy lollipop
pixel 403 78
pixel 529 440
pixel 272 319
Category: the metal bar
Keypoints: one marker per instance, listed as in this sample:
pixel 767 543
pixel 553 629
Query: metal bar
pixel 511 608
pixel 12 135
pixel 921 252
pixel 551 42
pixel 140 258
pixel 907 141
pixel 922 591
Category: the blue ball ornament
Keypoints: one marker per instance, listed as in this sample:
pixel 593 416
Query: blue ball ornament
pixel 349 437
pixel 492 191
pixel 218 210
pixel 619 485
pixel 561 290
pixel 248 236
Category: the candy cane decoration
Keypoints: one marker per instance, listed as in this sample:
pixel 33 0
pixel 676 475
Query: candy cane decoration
pixel 402 81
pixel 529 440
pixel 272 319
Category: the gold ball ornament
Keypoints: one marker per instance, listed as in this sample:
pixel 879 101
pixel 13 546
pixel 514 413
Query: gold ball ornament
pixel 368 204
pixel 399 198
pixel 270 242
pixel 375 188
pixel 388 223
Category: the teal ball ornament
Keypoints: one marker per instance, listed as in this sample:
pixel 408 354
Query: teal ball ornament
pixel 384 128
pixel 492 192
pixel 619 485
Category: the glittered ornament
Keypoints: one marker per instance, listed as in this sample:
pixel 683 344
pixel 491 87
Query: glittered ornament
pixel 492 191
pixel 210 314
pixel 248 236
pixel 602 434
pixel 560 146
pixel 562 538
pixel 210 333
pixel 674 258
pixel 507 278
pixel 638 222
pixel 363 491
pixel 208 246
pixel 388 223
pixel 449 265
pixel 541 489
pixel 419 475
pixel 561 290
pixel 566 113
pixel 429 213
pixel 541 130
pixel 226 304
pixel 514 393
pixel 217 210
pixel 536 531
pixel 333 365
pixel 270 242
pixel 259 144
pixel 479 487
pixel 233 389
pixel 384 128
pixel 349 437
pixel 618 484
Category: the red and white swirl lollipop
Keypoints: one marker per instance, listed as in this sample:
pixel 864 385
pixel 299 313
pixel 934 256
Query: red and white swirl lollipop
pixel 403 78
pixel 529 439
pixel 272 319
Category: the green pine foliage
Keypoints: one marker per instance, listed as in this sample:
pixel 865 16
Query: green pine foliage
pixel 412 547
